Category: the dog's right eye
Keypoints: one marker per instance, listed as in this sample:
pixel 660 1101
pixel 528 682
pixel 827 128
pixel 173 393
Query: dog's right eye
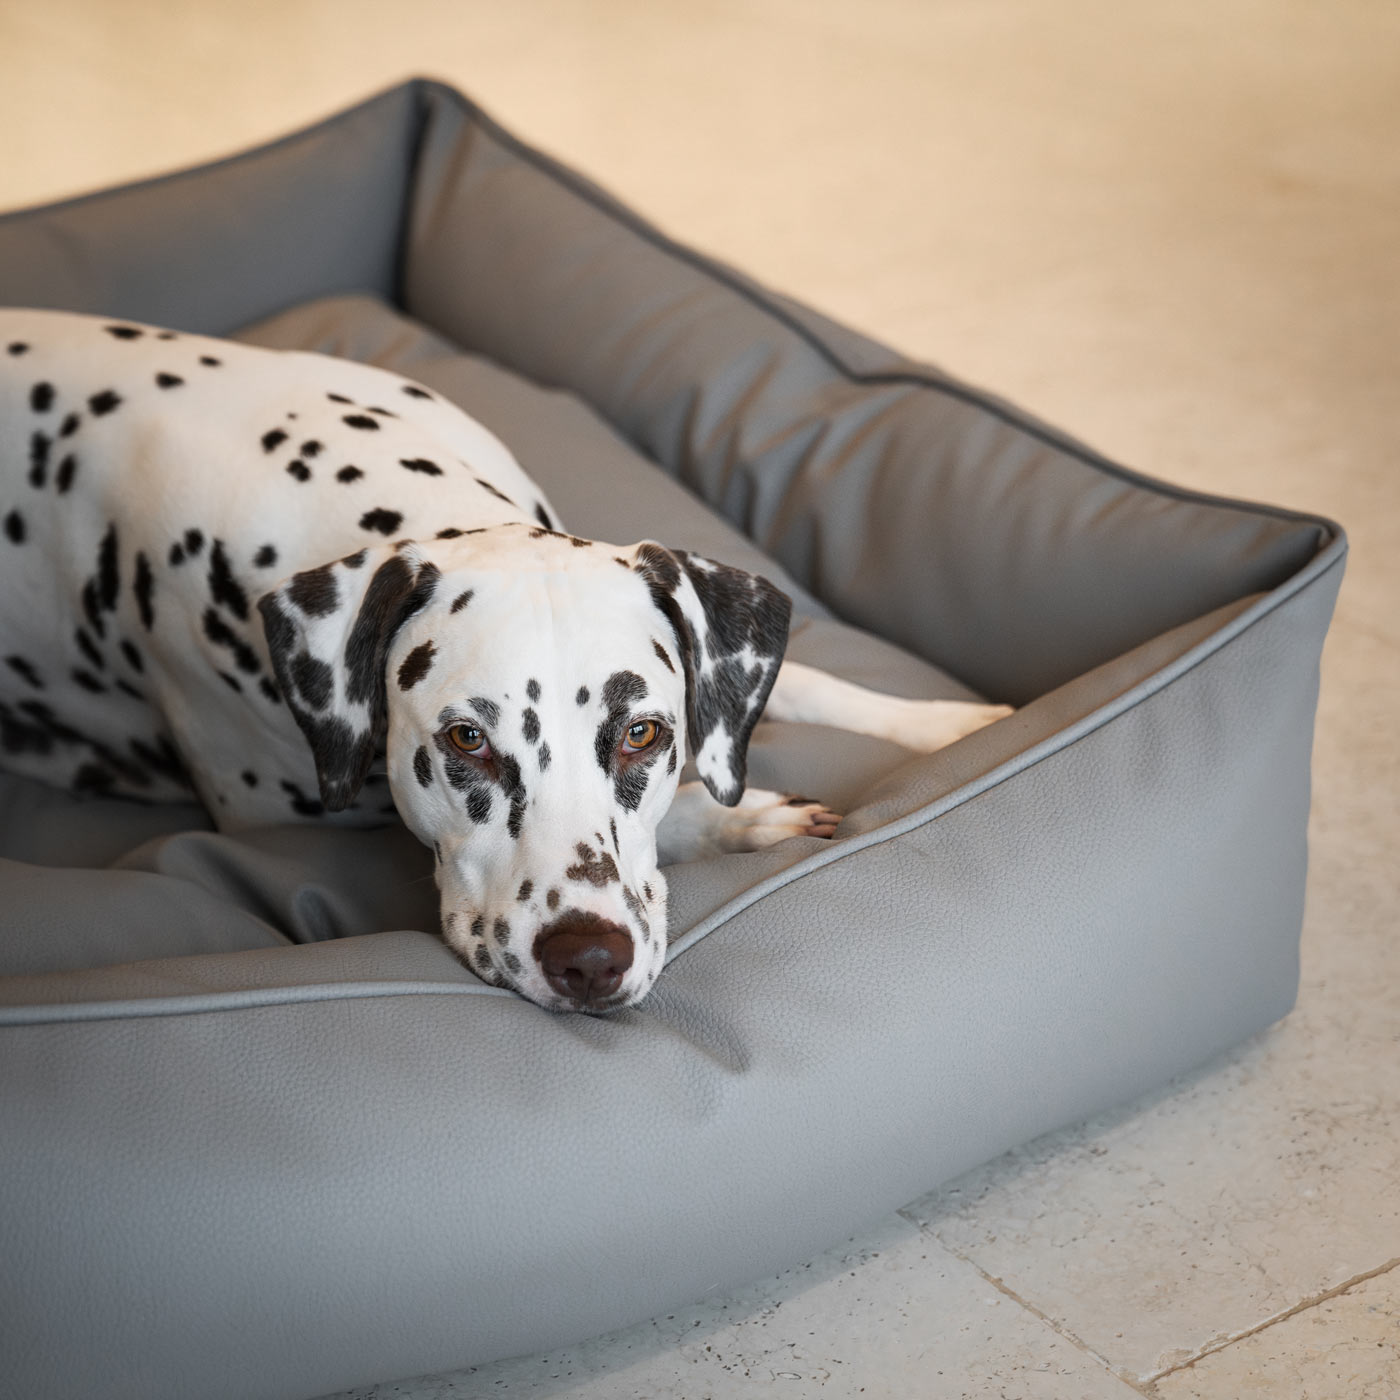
pixel 467 738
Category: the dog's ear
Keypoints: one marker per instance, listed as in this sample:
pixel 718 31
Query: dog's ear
pixel 328 634
pixel 731 627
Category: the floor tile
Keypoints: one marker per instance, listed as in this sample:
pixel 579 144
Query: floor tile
pixel 889 1316
pixel 1344 1348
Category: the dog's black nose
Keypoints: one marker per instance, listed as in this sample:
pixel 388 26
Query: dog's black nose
pixel 584 957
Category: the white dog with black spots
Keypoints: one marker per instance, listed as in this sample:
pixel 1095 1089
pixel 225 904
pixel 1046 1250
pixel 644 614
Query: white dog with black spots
pixel 307 589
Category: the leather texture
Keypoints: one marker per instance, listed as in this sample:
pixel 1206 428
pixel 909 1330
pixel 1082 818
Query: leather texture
pixel 262 1136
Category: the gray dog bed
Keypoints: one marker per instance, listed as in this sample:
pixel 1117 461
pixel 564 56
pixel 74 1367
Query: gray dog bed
pixel 262 1136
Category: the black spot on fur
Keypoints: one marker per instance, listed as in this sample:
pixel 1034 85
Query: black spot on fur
pixel 14 527
pixel 423 766
pixel 124 332
pixel 596 869
pixel 545 757
pixel 542 515
pixel 461 601
pixel 314 680
pixel 416 665
pixel 250 778
pixel 530 726
pixel 634 906
pixel 355 560
pixel 93 779
pixel 339 398
pixel 299 470
pixel 265 558
pixel 582 697
pixel 479 804
pixel 270 692
pixel 89 649
pixel 500 929
pixel 488 710
pixel 451 533
pixel 630 781
pixel 17 347
pixel 273 439
pixel 91 608
pixel 143 586
pixel 612 829
pixel 495 491
pixel 413 391
pixel 104 402
pixel 38 459
pixel 532 689
pixel 160 759
pixel 311 448
pixel 224 588
pixel 394 594
pixel 621 691
pixel 221 634
pixel 25 671
pixel 210 361
pixel 168 381
pixel 176 556
pixel 70 425
pixel 315 591
pixel 41 397
pixel 361 421
pixel 384 412
pixel 63 477
pixel 526 889
pixel 420 464
pixel 88 681
pixel 348 474
pixel 302 804
pixel 108 575
pixel 509 770
pixel 661 655
pixel 552 899
pixel 132 655
pixel 384 521
pixel 194 541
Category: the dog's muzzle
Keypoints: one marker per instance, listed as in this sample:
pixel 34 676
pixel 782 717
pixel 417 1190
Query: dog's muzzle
pixel 584 958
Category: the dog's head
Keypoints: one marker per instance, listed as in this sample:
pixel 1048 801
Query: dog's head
pixel 535 696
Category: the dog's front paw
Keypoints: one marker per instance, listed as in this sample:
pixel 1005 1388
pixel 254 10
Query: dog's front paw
pixel 763 818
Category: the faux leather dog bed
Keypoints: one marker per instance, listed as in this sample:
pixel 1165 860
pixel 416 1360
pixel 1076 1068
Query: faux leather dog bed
pixel 262 1135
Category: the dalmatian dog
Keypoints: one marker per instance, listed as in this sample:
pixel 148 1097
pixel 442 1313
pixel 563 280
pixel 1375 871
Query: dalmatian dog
pixel 306 589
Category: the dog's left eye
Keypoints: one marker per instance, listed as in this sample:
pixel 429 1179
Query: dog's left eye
pixel 641 735
pixel 467 738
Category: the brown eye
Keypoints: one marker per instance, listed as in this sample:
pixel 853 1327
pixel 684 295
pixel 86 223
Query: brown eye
pixel 467 738
pixel 641 735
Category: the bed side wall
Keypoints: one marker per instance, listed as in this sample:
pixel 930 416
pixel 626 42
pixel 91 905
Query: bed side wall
pixel 936 516
pixel 1112 916
pixel 211 248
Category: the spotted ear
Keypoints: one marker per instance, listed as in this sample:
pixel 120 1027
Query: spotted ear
pixel 731 627
pixel 328 633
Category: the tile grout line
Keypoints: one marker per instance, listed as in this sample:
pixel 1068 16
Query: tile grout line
pixel 1006 1291
pixel 1221 1343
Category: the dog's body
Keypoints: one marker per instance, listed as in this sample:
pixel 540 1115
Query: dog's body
pixel 307 589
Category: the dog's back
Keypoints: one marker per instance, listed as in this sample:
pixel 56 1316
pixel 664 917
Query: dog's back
pixel 153 485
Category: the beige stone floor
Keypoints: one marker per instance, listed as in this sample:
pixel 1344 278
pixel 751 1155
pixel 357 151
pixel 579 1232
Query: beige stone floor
pixel 1173 229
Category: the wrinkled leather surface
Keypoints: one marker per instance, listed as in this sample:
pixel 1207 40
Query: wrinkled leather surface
pixel 289 1145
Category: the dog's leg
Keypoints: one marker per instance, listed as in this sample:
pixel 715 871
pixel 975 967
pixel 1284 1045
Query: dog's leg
pixel 808 696
pixel 697 825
